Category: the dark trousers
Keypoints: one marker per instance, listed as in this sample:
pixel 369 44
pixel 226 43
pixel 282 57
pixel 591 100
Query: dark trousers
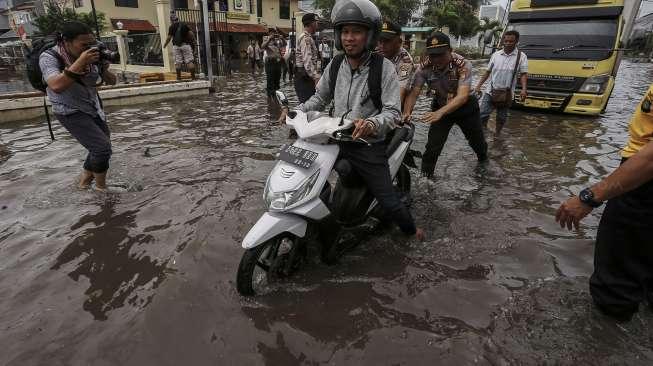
pixel 371 163
pixel 92 133
pixel 468 119
pixel 273 76
pixel 284 70
pixel 623 256
pixel 304 85
pixel 252 64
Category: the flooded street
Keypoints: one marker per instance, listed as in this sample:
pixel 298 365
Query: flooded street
pixel 147 276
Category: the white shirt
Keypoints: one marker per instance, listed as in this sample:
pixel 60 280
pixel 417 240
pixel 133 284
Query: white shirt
pixel 502 66
pixel 325 50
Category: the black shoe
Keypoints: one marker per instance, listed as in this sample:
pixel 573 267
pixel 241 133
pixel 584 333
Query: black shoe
pixel 483 158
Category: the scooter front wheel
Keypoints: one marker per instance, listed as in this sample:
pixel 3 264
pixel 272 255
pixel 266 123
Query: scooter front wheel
pixel 259 266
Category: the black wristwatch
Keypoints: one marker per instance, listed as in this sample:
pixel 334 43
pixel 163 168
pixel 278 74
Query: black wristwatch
pixel 587 197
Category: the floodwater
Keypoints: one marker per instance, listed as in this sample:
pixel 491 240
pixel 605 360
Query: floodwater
pixel 146 276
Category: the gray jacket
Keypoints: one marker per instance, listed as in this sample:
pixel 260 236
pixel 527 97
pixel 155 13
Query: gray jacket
pixel 351 90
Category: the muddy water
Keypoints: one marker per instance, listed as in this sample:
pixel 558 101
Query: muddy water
pixel 146 276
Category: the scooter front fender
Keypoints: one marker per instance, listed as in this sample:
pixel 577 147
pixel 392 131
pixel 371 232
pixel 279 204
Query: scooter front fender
pixel 272 224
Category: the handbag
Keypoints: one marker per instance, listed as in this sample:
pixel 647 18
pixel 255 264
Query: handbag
pixel 502 98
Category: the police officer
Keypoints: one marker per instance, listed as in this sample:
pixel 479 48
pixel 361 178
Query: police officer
pixel 391 47
pixel 307 70
pixel 623 255
pixel 273 45
pixel 449 79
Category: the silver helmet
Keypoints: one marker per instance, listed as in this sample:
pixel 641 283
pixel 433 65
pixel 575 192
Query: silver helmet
pixel 361 12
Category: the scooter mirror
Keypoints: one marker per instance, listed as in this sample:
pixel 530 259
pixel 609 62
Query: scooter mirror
pixel 281 98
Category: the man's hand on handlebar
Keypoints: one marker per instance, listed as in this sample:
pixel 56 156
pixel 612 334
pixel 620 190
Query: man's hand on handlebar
pixel 363 129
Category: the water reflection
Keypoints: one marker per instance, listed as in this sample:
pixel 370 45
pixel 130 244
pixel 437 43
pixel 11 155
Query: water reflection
pixel 108 256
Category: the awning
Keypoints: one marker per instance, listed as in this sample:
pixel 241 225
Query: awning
pixel 416 29
pixel 133 25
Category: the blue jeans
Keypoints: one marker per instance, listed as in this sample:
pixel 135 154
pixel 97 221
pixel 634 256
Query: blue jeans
pixel 486 110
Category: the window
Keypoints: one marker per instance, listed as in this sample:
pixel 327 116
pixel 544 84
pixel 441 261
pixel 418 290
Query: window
pixel 223 5
pixel 78 3
pixel 181 4
pixel 284 9
pixel 251 6
pixel 127 3
pixel 259 8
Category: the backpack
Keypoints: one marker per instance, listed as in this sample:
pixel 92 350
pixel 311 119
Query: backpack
pixel 34 74
pixel 373 79
pixel 32 56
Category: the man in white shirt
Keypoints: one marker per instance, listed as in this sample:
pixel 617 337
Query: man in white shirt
pixel 325 53
pixel 503 73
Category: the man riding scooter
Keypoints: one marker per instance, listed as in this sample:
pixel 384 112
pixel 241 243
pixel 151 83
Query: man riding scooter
pixel 357 25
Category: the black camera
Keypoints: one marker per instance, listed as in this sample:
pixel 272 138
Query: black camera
pixel 106 54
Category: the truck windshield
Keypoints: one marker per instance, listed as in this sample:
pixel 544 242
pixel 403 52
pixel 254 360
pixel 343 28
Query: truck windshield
pixel 590 40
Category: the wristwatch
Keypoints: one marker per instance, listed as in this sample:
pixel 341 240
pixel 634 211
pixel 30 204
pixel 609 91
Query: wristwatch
pixel 587 197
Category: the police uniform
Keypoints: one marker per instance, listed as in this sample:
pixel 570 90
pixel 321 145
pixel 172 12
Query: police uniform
pixel 403 61
pixel 307 60
pixel 623 255
pixel 443 84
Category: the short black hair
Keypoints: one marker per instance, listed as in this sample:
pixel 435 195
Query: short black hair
pixel 70 30
pixel 512 33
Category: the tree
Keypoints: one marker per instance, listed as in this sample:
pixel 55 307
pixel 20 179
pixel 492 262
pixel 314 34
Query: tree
pixel 488 28
pixel 57 12
pixel 396 10
pixel 459 16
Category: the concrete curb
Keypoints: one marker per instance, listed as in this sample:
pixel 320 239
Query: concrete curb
pixel 30 106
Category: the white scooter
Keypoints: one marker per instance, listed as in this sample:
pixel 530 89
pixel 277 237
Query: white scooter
pixel 303 207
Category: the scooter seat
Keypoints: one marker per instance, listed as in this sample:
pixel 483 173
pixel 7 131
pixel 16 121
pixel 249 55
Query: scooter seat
pixel 397 136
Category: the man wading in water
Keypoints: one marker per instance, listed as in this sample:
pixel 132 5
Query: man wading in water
pixel 72 69
pixel 623 255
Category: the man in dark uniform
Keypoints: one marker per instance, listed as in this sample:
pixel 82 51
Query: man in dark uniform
pixel 449 79
pixel 307 71
pixel 391 47
pixel 623 255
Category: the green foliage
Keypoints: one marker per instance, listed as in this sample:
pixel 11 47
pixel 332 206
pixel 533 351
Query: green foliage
pixel 459 16
pixel 490 27
pixel 470 53
pixel 396 10
pixel 57 13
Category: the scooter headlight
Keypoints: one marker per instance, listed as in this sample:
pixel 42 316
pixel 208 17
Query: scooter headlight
pixel 595 84
pixel 280 201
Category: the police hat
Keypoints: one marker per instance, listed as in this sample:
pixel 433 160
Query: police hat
pixel 309 18
pixel 390 29
pixel 437 44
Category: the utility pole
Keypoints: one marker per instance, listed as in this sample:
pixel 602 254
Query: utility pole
pixel 97 26
pixel 207 40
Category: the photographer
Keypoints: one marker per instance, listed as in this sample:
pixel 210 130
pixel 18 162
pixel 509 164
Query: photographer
pixel 72 70
pixel 273 44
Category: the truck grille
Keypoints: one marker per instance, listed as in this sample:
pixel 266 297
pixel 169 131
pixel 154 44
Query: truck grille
pixel 555 83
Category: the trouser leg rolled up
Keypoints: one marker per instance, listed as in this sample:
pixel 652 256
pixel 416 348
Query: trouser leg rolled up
pixel 93 133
